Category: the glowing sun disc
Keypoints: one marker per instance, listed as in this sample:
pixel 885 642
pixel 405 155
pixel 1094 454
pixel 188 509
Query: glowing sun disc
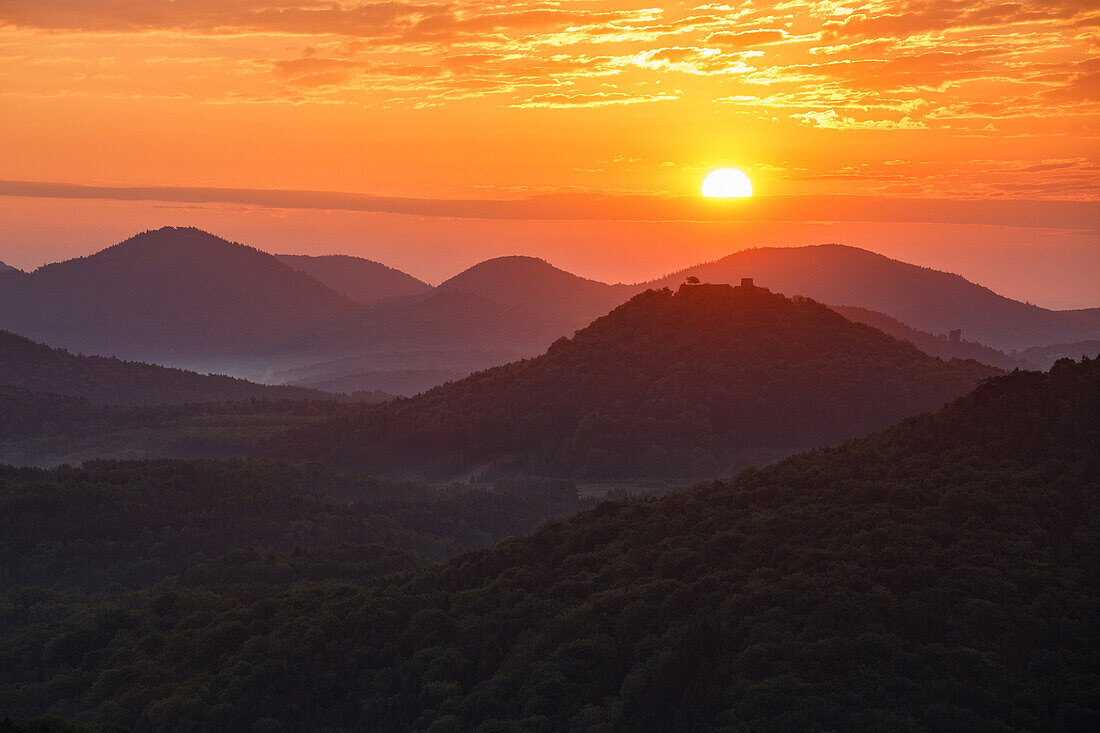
pixel 727 183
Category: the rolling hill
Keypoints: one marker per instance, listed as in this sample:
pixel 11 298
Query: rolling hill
pixel 163 295
pixel 938 575
pixel 920 297
pixel 695 382
pixel 5 268
pixel 34 367
pixel 187 298
pixel 358 279
pixel 183 297
pixel 536 285
pixel 938 345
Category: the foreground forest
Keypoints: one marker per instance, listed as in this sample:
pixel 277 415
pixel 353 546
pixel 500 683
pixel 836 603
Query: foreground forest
pixel 45 429
pixel 937 575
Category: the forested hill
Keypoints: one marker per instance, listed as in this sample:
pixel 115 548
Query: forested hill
pixel 939 575
pixel 38 368
pixel 692 383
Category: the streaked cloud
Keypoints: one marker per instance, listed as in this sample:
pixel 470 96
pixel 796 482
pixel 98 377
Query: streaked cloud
pixel 1019 213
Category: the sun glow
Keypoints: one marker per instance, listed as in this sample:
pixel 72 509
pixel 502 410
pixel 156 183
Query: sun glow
pixel 727 183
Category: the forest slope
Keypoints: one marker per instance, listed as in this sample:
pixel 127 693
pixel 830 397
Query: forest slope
pixel 701 381
pixel 939 575
pixel 39 368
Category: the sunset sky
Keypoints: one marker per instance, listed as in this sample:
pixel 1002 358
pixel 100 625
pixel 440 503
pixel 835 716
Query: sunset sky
pixel 959 135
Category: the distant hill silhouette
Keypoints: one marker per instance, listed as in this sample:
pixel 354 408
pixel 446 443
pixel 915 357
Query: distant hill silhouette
pixel 184 297
pixel 1045 356
pixel 166 294
pixel 666 385
pixel 38 368
pixel 937 345
pixel 920 297
pixel 5 268
pixel 536 285
pixel 358 279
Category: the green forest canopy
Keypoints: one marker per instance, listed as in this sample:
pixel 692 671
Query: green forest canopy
pixel 937 575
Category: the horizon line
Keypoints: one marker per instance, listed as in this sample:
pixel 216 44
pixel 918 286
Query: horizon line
pixel 1052 214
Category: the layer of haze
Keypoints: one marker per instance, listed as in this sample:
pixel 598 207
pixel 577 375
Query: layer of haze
pixel 926 112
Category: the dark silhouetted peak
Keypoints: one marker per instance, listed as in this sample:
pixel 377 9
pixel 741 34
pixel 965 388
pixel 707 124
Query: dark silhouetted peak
pixel 697 381
pixel 361 280
pixel 5 268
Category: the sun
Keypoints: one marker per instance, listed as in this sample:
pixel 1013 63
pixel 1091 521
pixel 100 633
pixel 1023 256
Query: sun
pixel 727 183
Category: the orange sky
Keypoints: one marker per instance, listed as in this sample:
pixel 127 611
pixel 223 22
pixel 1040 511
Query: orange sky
pixel 192 106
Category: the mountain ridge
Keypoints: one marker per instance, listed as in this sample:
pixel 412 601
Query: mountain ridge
pixel 166 293
pixel 920 297
pixel 357 278
pixel 664 384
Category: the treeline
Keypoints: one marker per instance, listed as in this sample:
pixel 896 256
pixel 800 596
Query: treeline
pixel 45 429
pixel 137 523
pixel 668 385
pixel 939 575
pixel 35 367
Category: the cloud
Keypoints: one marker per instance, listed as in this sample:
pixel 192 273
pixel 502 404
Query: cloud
pixel 746 39
pixel 959 67
pixel 833 121
pixel 597 99
pixel 1018 213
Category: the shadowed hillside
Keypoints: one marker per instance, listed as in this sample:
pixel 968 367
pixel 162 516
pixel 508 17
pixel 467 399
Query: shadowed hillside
pixel 695 382
pixel 34 367
pixel 920 297
pixel 938 575
pixel 358 279
pixel 44 429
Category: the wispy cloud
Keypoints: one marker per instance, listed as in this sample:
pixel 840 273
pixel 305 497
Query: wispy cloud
pixel 959 55
pixel 1018 213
